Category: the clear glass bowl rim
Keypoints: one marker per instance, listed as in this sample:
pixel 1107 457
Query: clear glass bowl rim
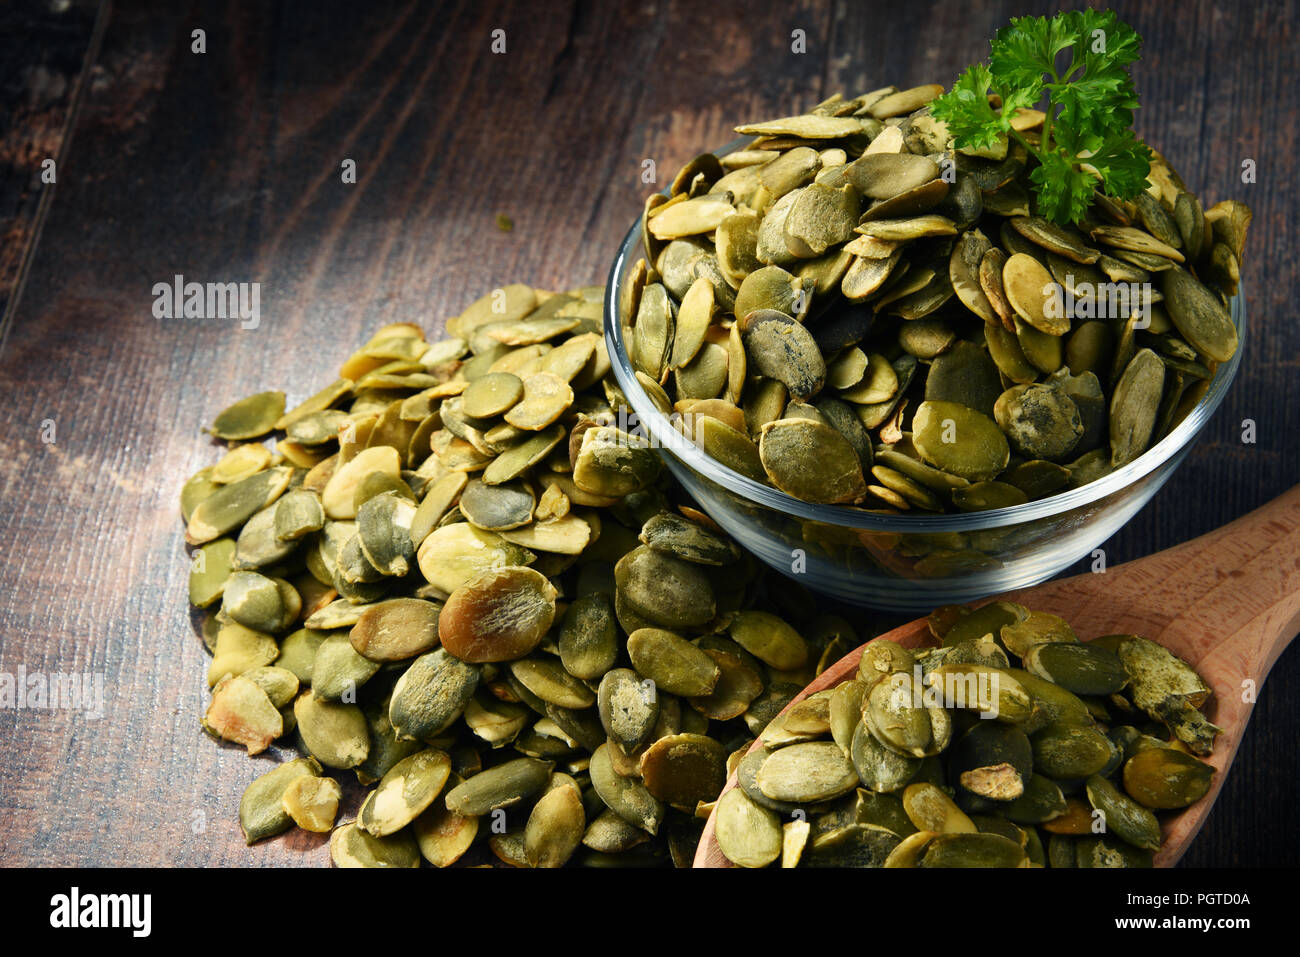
pixel 669 440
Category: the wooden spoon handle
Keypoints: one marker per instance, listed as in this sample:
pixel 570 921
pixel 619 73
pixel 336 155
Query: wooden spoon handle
pixel 1232 592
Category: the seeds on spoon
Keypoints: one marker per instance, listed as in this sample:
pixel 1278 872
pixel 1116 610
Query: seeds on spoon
pixel 875 769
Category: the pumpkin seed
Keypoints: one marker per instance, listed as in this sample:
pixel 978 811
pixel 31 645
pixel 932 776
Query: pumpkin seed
pixel 431 694
pixel 339 670
pixel 334 732
pixel 807 773
pixel 972 850
pixel 684 769
pixel 396 629
pixel 1124 817
pixel 1133 407
pixel 737 686
pixel 499 616
pixel 780 348
pixel 249 418
pixel 748 834
pixel 261 807
pixel 312 802
pixel 625 796
pixel 229 506
pixel 811 461
pixel 555 826
pixel 352 847
pixel 1083 669
pixel 959 440
pixel 1039 422
pixel 404 793
pixel 240 711
pixel 1065 751
pixel 1163 778
pixel 665 589
pixel 672 663
pixel 444 836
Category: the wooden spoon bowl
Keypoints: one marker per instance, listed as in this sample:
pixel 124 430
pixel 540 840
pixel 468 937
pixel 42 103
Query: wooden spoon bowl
pixel 1228 603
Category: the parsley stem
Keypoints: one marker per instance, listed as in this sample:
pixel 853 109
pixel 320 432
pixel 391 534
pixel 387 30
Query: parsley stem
pixel 1025 143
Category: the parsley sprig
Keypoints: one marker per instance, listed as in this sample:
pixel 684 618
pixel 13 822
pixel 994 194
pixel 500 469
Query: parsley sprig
pixel 1086 141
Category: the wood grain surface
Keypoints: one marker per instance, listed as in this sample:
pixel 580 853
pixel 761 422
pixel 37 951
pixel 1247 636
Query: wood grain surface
pixel 225 167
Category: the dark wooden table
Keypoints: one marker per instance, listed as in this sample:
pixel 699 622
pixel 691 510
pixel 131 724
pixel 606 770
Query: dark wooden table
pixel 224 166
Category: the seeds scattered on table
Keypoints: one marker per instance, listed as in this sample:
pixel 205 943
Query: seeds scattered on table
pixel 487 602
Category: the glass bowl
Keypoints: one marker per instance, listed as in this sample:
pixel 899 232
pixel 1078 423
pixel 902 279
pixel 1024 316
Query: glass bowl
pixel 905 563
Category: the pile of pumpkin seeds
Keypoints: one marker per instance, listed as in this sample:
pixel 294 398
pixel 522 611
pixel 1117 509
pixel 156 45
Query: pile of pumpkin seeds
pixel 953 757
pixel 848 282
pixel 456 579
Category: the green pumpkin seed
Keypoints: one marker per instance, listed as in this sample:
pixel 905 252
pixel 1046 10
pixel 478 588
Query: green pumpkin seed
pixel 261 603
pixel 249 418
pixel 210 567
pixel 665 589
pixel 352 847
pixel 588 641
pixel 231 505
pixel 404 793
pixel 1163 778
pixel 261 810
pixel 897 722
pixel 1083 669
pixel 672 663
pixel 614 463
pixel 972 850
pixel 747 833
pixel 312 803
pixel 737 686
pixel 959 440
pixel 811 461
pixel 335 733
pixel 1067 751
pixel 628 708
pixel 1133 407
pixel 499 787
pixel 431 694
pixel 625 796
pixel 444 836
pixel 555 826
pixel 1105 852
pixel 1166 688
pixel 339 670
pixel 807 773
pixel 684 769
pixel 1124 817
pixel 780 348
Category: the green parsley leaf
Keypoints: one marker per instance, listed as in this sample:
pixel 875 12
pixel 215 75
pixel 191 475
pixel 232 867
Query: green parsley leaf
pixel 1086 142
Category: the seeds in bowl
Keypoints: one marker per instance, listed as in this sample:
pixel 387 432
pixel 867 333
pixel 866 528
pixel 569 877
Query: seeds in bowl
pixel 936 291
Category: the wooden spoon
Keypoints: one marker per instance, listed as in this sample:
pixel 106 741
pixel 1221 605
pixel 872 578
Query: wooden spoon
pixel 1228 603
